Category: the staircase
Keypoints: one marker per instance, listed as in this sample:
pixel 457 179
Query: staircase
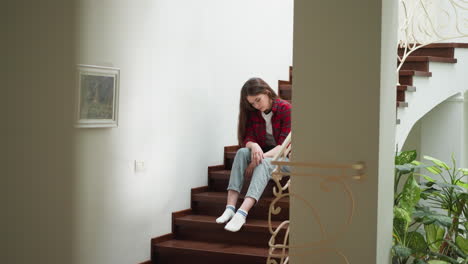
pixel 197 238
pixel 429 76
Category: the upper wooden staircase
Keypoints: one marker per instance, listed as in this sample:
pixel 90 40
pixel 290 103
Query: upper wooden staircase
pixel 421 89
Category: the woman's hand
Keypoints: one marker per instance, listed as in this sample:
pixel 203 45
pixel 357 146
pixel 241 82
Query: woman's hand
pixel 272 153
pixel 256 153
pixel 249 170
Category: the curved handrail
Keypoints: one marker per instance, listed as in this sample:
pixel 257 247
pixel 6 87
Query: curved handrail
pixel 418 28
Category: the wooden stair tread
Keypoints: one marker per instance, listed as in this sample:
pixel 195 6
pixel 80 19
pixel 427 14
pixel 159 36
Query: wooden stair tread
pixel 402 104
pixel 430 59
pixel 408 88
pixel 414 73
pixel 220 174
pixel 220 197
pixel 251 224
pixel 230 154
pixel 212 247
pixel 281 82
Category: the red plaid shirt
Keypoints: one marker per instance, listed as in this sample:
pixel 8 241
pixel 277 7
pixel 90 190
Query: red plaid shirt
pixel 255 130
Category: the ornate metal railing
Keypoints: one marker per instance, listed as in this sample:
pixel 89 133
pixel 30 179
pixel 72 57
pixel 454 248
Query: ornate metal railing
pixel 279 251
pixel 424 22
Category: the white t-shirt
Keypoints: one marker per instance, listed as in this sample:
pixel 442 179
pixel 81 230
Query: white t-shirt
pixel 270 140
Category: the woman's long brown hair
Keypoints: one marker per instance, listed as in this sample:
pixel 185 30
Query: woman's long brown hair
pixel 252 87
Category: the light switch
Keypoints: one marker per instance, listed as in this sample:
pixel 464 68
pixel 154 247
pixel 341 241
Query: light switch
pixel 140 165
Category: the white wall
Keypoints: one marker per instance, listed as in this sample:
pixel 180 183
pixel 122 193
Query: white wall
pixel 442 132
pixel 413 141
pixel 182 66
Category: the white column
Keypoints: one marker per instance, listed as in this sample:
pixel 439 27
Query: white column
pixel 465 133
pixel 344 111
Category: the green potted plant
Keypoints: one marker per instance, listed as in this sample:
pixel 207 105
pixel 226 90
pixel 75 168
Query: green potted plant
pixel 430 224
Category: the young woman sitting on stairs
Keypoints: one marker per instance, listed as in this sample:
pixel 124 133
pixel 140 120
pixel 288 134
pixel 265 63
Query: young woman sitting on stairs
pixel 264 123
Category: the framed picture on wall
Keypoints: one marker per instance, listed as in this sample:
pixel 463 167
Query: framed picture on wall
pixel 97 96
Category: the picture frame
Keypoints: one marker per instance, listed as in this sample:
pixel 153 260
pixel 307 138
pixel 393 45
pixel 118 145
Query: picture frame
pixel 97 96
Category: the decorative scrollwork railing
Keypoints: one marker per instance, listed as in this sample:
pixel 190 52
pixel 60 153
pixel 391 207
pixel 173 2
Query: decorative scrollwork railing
pixel 425 22
pixel 279 251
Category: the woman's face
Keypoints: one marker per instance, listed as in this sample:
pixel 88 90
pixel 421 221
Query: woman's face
pixel 260 102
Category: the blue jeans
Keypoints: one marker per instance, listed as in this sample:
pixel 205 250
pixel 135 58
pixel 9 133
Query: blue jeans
pixel 260 176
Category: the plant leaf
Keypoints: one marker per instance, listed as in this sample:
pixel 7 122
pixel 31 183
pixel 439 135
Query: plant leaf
pixel 404 168
pixel 441 220
pixel 438 162
pixel 462 243
pixel 409 167
pixel 410 195
pixel 463 196
pixel 443 257
pixel 401 251
pixel 456 249
pixel 463 170
pixel 434 236
pixel 437 262
pixel 419 261
pixel 429 179
pixel 462 184
pixel 405 157
pixel 448 186
pixel 401 220
pixel 434 169
pixel 423 214
pixel 401 213
pixel 416 243
pixel 424 195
